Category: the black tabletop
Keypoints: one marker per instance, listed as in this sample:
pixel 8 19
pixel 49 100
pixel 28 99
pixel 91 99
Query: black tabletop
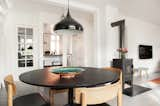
pixel 88 78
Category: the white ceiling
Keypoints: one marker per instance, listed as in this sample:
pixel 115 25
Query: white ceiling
pixel 147 10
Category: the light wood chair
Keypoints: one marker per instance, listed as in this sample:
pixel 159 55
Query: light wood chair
pixel 34 99
pixel 52 92
pixel 101 94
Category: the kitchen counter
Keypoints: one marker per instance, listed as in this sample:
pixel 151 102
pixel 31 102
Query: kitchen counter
pixel 52 60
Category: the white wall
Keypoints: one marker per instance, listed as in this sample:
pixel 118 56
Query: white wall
pixel 2 51
pixel 33 14
pixel 112 39
pixel 140 32
pixel 137 32
pixel 4 6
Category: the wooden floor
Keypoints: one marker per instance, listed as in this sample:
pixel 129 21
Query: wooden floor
pixel 156 81
pixel 150 98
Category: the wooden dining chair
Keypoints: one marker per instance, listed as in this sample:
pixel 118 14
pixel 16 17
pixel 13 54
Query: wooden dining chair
pixel 34 99
pixel 52 92
pixel 100 94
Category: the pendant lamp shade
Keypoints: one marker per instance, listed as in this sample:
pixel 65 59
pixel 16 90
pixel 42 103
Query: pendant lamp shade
pixel 68 26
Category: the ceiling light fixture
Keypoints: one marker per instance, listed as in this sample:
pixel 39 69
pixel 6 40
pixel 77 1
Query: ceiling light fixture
pixel 68 25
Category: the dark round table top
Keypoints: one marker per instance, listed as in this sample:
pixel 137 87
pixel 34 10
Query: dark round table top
pixel 89 78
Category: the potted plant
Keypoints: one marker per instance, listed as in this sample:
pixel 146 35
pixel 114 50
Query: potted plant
pixel 122 52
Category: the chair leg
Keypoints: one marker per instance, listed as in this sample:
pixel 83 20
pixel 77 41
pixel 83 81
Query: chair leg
pixel 83 103
pixel 51 97
pixel 10 96
pixel 119 98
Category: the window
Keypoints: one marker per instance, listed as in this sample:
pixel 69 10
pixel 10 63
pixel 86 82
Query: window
pixel 25 47
pixel 55 41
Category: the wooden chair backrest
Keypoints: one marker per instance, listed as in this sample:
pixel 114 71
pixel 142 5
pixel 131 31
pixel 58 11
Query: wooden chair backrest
pixel 97 95
pixel 10 88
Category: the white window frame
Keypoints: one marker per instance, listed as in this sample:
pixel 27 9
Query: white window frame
pixel 25 44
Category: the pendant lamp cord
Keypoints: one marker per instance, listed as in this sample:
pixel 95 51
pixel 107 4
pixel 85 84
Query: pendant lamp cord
pixel 68 5
pixel 68 13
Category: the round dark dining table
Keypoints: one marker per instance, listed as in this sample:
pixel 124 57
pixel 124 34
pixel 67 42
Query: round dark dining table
pixel 90 77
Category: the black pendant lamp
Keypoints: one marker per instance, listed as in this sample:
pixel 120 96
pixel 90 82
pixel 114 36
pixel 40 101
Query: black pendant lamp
pixel 68 25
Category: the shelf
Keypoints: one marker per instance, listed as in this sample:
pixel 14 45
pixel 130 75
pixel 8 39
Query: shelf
pixel 52 55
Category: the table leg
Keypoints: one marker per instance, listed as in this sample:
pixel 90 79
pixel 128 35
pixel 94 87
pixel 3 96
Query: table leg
pixel 51 97
pixel 70 97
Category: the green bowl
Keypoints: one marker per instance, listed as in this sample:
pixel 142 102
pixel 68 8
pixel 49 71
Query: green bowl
pixel 67 72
